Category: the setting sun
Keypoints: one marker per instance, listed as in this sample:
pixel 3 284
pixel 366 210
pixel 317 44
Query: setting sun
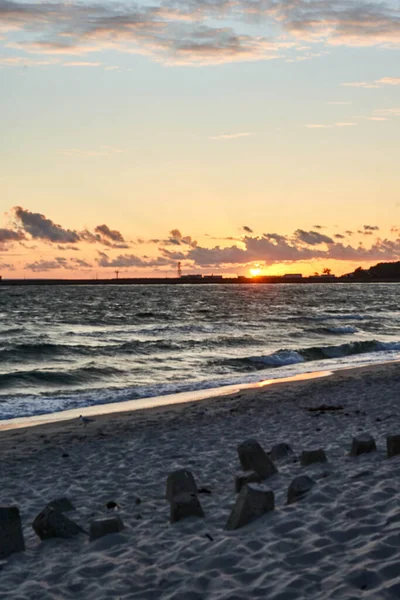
pixel 255 271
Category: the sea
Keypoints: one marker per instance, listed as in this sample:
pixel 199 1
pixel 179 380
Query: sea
pixel 72 346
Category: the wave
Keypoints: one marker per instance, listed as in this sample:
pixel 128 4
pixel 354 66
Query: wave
pixel 45 378
pixel 43 351
pixel 290 357
pixel 11 330
pixel 335 330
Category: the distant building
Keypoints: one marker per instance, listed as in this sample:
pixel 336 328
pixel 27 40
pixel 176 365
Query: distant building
pixel 213 277
pixel 195 276
pixel 292 276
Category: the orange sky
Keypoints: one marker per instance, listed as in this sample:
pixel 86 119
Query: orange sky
pixel 255 132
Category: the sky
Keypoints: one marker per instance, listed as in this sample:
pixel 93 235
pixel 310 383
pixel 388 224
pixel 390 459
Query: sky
pixel 228 135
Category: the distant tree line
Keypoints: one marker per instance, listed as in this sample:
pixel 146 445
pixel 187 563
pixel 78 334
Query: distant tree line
pixel 381 271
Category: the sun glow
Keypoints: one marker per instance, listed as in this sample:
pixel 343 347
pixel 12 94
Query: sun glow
pixel 255 271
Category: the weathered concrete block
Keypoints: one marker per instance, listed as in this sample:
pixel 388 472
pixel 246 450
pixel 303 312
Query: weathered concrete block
pixel 280 451
pixel 393 445
pixel 11 537
pixel 180 482
pixel 362 444
pixel 253 458
pixel 309 457
pixel 101 527
pixel 61 505
pixel 253 502
pixel 51 523
pixel 185 505
pixel 299 487
pixel 244 477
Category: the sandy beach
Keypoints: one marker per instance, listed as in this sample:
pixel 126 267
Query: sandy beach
pixel 342 540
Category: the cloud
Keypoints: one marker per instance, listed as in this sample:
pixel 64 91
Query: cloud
pixel 371 228
pixel 111 234
pixel 81 63
pixel 175 33
pixel 8 235
pixel 247 229
pixel 312 238
pixel 39 227
pixel 49 265
pixel 387 112
pixel 130 260
pixel 330 126
pixel 199 32
pixel 378 83
pixel 59 262
pixel 339 236
pixel 177 239
pixel 230 136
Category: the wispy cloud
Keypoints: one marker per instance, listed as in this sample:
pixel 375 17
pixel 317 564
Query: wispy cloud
pixel 81 63
pixel 387 112
pixel 230 136
pixel 378 83
pixel 330 125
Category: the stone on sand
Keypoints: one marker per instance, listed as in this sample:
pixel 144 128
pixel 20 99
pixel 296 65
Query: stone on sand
pixel 280 451
pixel 244 477
pixel 393 445
pixel 180 482
pixel 309 457
pixel 185 505
pixel 299 487
pixel 11 537
pixel 253 458
pixel 101 527
pixel 61 505
pixel 253 502
pixel 52 523
pixel 362 444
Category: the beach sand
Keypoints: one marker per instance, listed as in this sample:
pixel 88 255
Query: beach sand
pixel 340 541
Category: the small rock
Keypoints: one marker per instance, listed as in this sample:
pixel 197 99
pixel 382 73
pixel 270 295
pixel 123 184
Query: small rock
pixel 242 478
pixel 61 505
pixel 51 523
pixel 362 444
pixel 65 455
pixel 309 457
pixel 252 502
pixel 138 501
pixel 111 505
pixel 280 451
pixel 299 487
pixel 180 482
pixel 393 445
pixel 101 527
pixel 185 505
pixel 11 537
pixel 253 458
pixel 204 490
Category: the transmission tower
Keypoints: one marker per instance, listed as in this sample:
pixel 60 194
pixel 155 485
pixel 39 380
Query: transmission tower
pixel 179 270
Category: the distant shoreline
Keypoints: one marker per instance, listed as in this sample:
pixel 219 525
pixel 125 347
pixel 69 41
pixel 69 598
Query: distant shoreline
pixel 187 281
